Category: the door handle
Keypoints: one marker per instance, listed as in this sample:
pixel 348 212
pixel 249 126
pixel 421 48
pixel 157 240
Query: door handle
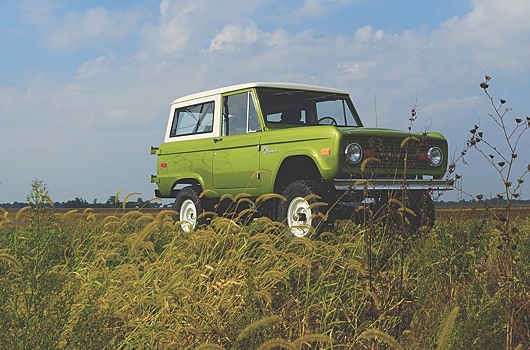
pixel 217 139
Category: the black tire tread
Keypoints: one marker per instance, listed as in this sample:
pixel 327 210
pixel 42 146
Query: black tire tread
pixel 192 193
pixel 304 188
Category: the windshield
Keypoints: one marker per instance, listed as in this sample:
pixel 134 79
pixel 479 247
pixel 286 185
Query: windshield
pixel 295 107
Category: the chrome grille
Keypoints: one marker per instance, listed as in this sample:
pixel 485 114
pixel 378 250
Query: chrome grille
pixel 391 156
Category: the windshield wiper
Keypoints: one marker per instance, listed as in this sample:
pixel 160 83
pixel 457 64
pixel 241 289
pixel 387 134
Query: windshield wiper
pixel 324 97
pixel 293 92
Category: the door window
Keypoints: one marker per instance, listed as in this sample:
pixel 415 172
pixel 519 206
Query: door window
pixel 239 114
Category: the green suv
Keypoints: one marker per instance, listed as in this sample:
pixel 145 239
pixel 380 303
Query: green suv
pixel 303 142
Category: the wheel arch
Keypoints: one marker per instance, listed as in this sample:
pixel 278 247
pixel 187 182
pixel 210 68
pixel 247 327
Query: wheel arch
pixel 178 185
pixel 299 167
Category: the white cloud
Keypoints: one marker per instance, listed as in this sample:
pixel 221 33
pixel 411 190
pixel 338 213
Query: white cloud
pixel 38 12
pixel 320 7
pixel 366 33
pixel 187 25
pixel 175 25
pixel 452 107
pixel 357 70
pixel 95 67
pixel 96 24
pixel 491 34
pixel 232 35
pixel 279 37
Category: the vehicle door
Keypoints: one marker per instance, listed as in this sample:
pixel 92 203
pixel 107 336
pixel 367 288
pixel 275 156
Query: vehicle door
pixel 236 151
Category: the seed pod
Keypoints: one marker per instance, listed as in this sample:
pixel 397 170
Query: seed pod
pixel 518 120
pixel 501 164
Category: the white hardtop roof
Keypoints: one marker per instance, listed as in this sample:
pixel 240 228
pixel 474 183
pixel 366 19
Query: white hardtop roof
pixel 259 84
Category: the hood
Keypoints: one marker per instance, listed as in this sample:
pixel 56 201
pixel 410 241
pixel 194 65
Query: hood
pixel 382 132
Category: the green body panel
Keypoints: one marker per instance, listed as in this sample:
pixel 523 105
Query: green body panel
pixel 278 145
pixel 185 160
pixel 235 162
pixel 249 163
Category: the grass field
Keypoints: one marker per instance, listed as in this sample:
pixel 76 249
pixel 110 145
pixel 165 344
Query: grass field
pixel 129 279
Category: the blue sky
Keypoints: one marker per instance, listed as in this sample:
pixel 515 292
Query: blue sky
pixel 85 87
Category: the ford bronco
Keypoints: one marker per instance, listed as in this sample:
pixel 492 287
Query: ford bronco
pixel 306 143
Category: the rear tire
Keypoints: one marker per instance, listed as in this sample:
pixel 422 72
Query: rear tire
pixel 190 207
pixel 304 210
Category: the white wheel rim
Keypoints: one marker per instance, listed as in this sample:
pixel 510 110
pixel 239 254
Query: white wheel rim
pixel 188 215
pixel 299 217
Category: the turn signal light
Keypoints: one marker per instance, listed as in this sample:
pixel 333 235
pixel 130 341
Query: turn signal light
pixel 423 156
pixel 369 153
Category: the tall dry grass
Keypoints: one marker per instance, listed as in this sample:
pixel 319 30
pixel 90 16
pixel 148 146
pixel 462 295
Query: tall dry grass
pixel 135 280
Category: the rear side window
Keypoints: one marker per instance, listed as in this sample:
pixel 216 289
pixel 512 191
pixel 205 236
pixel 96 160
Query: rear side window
pixel 190 120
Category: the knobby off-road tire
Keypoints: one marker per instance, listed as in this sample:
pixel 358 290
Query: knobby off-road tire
pixel 305 207
pixel 423 206
pixel 190 207
pixel 408 213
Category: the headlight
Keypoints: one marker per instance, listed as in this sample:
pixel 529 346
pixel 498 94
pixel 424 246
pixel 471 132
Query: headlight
pixel 354 153
pixel 435 156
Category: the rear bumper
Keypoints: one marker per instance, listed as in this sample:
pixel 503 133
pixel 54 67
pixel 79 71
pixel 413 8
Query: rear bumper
pixel 394 184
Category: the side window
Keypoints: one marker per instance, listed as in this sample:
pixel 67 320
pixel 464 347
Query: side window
pixel 253 121
pixel 239 114
pixel 197 119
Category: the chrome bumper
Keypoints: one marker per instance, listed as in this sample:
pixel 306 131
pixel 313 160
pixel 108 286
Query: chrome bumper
pixel 378 184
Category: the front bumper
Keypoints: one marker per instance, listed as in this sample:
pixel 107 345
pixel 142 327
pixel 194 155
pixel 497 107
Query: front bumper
pixel 392 184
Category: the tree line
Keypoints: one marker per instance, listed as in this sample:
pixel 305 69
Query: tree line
pixel 113 202
pixel 81 203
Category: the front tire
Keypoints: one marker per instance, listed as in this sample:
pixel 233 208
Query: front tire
pixel 304 208
pixel 190 206
pixel 423 205
pixel 410 212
